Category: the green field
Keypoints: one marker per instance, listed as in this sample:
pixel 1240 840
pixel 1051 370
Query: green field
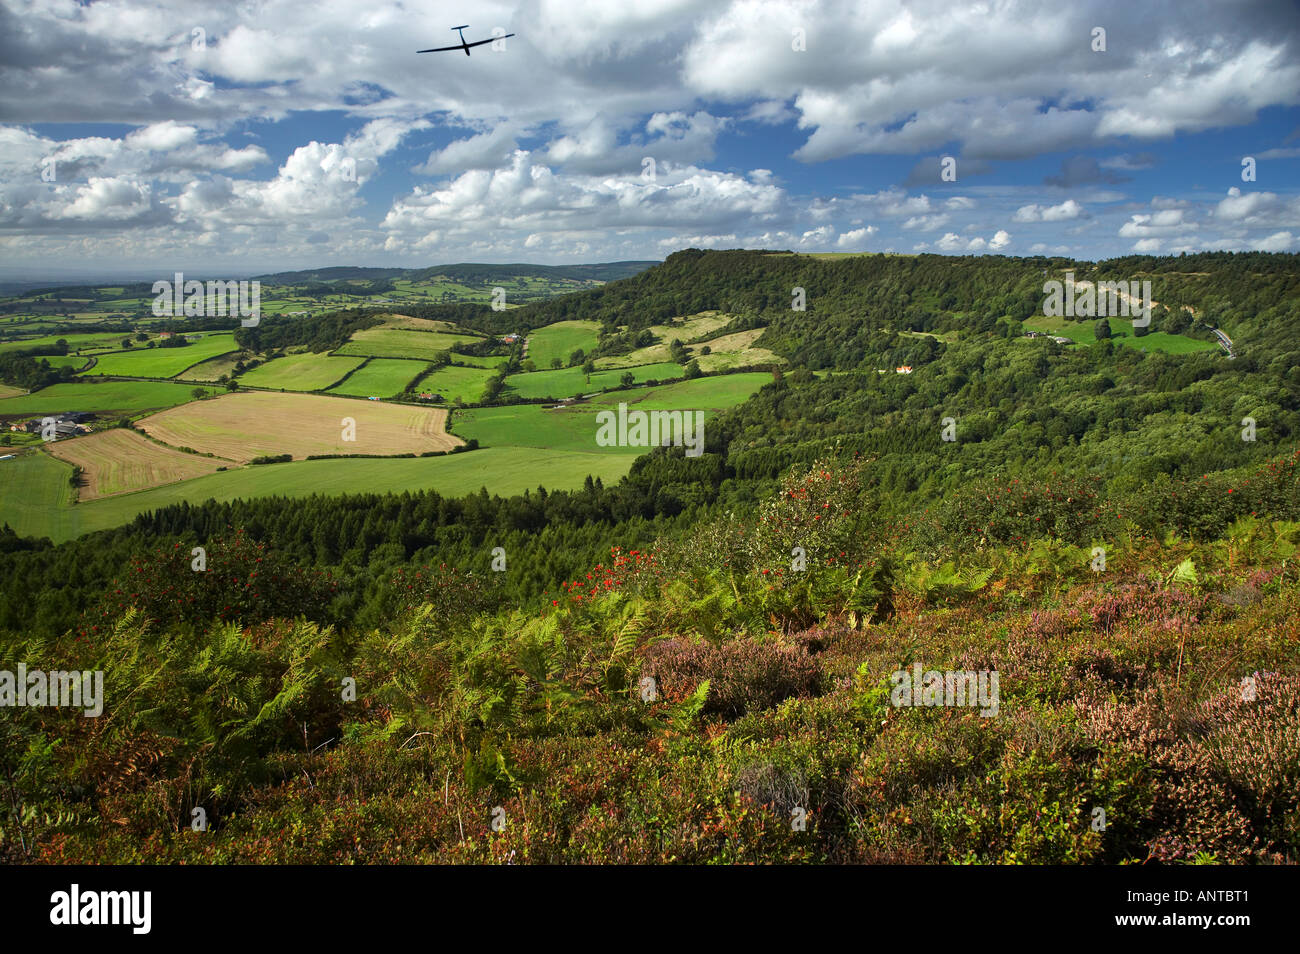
pixel 76 342
pixel 560 340
pixel 40 506
pixel 532 425
pixel 574 428
pixel 714 393
pixel 38 498
pixel 126 397
pixel 570 382
pixel 162 362
pixel 300 372
pixel 1121 333
pixel 397 343
pixel 77 361
pixel 380 377
pixel 213 368
pixel 456 383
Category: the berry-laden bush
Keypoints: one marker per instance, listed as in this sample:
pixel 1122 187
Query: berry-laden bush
pixel 1204 507
pixel 824 510
pixel 454 595
pixel 743 675
pixel 1011 510
pixel 241 581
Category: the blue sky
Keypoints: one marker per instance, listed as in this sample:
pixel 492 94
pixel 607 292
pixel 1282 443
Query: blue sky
pixel 247 137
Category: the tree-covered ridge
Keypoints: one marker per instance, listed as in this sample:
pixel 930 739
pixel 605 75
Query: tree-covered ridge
pixel 855 304
pixel 325 333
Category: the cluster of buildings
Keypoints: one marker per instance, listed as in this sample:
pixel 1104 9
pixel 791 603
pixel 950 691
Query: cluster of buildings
pixel 69 424
pixel 1043 334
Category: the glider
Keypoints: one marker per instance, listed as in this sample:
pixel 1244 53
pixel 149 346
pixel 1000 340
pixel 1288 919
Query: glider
pixel 463 45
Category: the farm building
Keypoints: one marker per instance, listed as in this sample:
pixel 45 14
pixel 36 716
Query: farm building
pixel 66 424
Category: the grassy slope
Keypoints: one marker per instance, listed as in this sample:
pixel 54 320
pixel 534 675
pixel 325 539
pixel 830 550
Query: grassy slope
pixel 213 368
pixel 300 372
pixel 1121 332
pixel 38 499
pixel 560 340
pixel 163 362
pixel 75 341
pixel 570 382
pixel 36 510
pixel 715 393
pixel 380 377
pixel 454 383
pixel 100 396
pixel 396 343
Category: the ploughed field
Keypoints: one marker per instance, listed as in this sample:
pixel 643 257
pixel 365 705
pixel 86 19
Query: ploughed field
pixel 242 426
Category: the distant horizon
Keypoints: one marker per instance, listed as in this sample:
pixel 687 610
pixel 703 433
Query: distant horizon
pixel 14 274
pixel 11 277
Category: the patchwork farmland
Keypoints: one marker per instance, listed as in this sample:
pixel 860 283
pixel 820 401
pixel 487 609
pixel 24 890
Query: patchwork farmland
pixel 196 450
pixel 573 428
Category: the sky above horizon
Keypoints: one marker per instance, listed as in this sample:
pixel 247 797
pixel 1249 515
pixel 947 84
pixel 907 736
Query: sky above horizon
pixel 268 135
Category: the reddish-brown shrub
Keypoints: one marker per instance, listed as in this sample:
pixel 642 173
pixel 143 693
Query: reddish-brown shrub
pixel 743 675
